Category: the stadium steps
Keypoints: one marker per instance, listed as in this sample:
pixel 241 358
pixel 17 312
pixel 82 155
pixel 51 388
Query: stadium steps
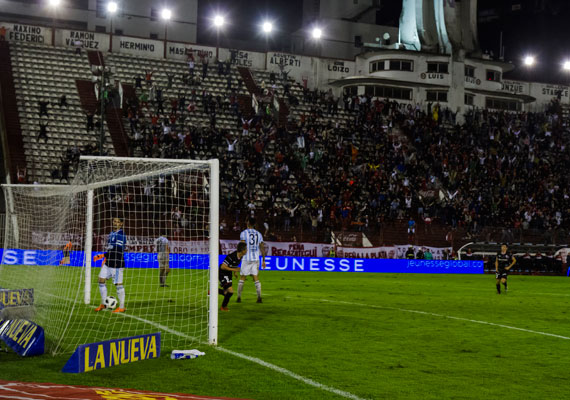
pixel 87 97
pixel 117 131
pixel 95 58
pixel 15 151
pixel 248 80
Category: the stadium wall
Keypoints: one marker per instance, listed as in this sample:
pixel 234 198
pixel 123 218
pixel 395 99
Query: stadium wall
pixel 336 73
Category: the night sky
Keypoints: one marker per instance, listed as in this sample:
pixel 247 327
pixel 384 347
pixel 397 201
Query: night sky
pixel 537 27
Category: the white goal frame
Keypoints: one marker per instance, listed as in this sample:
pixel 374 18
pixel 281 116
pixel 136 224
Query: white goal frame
pixel 214 206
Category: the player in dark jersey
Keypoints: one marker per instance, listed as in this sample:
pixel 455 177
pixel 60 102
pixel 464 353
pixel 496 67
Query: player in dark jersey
pixel 227 267
pixel 503 263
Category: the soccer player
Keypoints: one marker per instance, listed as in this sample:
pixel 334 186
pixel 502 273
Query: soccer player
pixel 250 264
pixel 503 263
pixel 113 265
pixel 229 265
pixel 163 251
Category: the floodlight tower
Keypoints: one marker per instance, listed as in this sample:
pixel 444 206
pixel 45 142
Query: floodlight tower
pixel 316 35
pixel 112 8
pixel 165 14
pixel 219 22
pixel 267 28
pixel 54 4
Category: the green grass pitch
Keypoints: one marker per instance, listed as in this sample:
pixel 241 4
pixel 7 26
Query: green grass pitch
pixel 363 336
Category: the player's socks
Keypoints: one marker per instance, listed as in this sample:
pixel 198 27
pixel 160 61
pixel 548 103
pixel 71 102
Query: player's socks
pixel 240 289
pixel 121 295
pixel 499 288
pixel 505 284
pixel 103 291
pixel 258 289
pixel 221 291
pixel 226 299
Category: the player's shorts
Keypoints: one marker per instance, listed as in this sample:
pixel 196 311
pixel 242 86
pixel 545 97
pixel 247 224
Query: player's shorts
pixel 111 273
pixel 226 281
pixel 249 267
pixel 164 262
pixel 115 261
pixel 501 275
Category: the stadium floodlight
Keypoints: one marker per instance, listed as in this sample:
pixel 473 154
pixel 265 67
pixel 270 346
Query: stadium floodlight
pixel 566 65
pixel 529 61
pixel 54 3
pixel 267 27
pixel 219 21
pixel 112 7
pixel 166 14
pixel 317 33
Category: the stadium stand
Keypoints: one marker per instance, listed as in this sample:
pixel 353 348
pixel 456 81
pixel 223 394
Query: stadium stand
pixel 307 162
pixel 42 75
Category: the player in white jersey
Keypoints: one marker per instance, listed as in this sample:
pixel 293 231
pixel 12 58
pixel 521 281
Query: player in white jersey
pixel 250 262
pixel 163 256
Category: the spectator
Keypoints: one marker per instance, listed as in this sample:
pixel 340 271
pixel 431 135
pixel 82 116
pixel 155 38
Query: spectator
pixel 43 107
pixel 42 134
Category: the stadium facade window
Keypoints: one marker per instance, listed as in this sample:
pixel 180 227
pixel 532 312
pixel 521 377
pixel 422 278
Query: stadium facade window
pixel 154 36
pixel 439 67
pixel 391 65
pixel 377 66
pixel 100 29
pixel 101 9
pixel 502 104
pixel 469 99
pixel 388 92
pixel 351 90
pixel 470 71
pixel 154 14
pixel 494 76
pixel 118 31
pixel 436 95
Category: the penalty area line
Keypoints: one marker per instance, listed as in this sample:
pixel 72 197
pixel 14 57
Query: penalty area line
pixel 476 321
pixel 255 360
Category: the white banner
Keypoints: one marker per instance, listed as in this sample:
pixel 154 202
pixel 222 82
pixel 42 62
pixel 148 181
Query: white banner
pixel 243 58
pixel 27 33
pixel 294 249
pixel 89 40
pixel 56 239
pixel 138 47
pixel 296 66
pixel 180 51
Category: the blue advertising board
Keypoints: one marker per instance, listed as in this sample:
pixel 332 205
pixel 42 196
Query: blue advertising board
pixel 274 263
pixel 92 356
pixel 16 298
pixel 24 337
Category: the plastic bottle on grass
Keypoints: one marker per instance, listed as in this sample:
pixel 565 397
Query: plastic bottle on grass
pixel 183 354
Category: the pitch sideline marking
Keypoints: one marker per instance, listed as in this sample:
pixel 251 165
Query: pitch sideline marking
pixel 255 360
pixel 443 316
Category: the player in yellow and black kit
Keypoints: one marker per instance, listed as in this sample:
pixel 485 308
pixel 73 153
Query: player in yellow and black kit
pixel 227 267
pixel 503 263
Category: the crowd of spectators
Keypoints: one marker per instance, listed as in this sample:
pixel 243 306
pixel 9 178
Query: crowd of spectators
pixel 360 163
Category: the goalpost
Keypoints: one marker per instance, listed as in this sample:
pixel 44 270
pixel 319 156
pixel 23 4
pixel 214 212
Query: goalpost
pixel 56 235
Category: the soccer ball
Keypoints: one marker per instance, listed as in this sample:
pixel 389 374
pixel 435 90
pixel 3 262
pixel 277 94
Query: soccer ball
pixel 110 302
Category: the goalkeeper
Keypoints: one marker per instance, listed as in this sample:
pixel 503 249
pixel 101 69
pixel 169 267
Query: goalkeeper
pixel 113 265
pixel 229 265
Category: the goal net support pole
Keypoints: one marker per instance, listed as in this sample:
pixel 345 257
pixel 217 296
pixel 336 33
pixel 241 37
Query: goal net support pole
pixel 214 250
pixel 88 245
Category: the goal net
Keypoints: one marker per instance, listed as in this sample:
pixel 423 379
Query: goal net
pixel 58 238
